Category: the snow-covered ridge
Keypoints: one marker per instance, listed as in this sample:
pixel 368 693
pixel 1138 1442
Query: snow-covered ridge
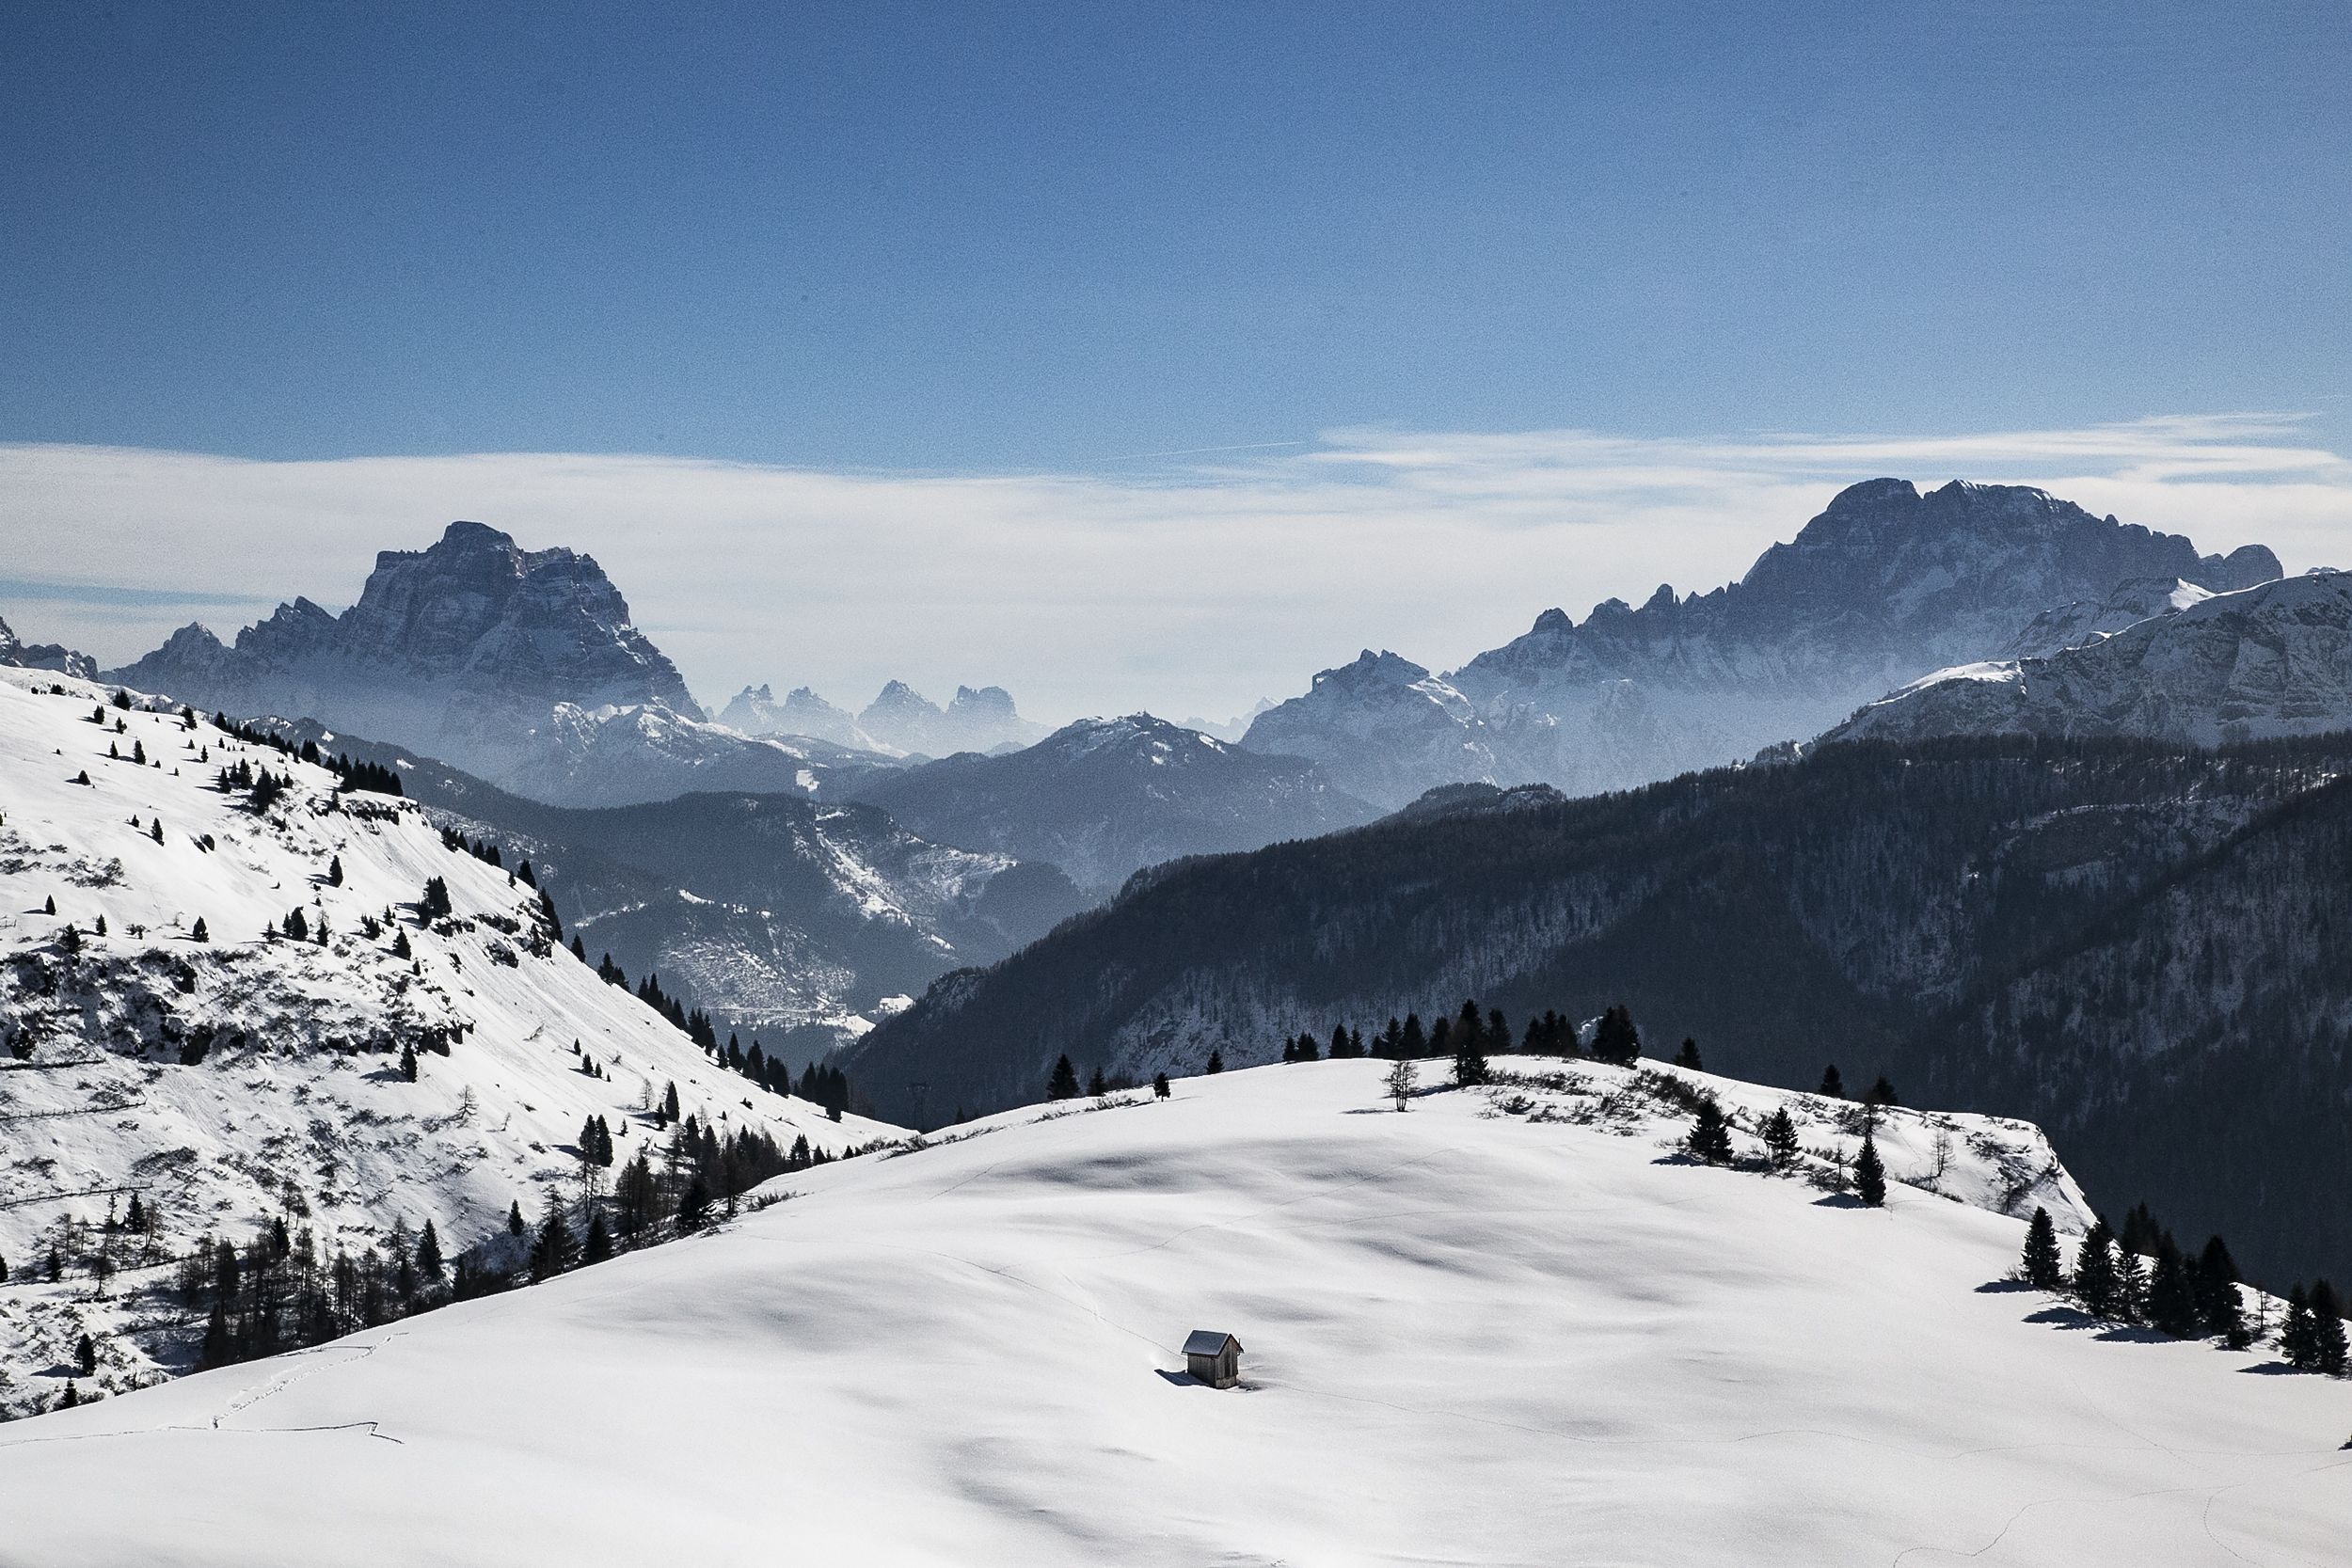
pixel 1492 1329
pixel 1885 585
pixel 250 1075
pixel 2259 663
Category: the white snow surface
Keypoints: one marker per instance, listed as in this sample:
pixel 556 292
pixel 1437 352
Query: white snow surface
pixel 300 1104
pixel 1506 1326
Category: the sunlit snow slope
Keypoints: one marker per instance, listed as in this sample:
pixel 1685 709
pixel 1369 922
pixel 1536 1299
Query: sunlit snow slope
pixel 296 1106
pixel 1505 1326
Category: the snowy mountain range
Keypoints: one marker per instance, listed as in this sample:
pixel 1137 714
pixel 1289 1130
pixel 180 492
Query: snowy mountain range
pixel 789 920
pixel 900 721
pixel 1512 1324
pixel 1883 587
pixel 210 987
pixel 18 655
pixel 1104 798
pixel 2200 669
pixel 519 666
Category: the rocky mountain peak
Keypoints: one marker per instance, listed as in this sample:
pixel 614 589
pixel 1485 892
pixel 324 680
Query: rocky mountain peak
pixel 978 718
pixel 1885 585
pixel 1369 668
pixel 18 655
pixel 459 650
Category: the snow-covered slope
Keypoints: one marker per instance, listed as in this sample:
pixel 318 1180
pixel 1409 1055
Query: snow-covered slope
pixel 241 1077
pixel 1507 1326
pixel 1885 586
pixel 2069 626
pixel 625 756
pixel 2259 663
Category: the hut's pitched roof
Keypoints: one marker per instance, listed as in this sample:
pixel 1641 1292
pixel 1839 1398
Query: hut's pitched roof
pixel 1209 1341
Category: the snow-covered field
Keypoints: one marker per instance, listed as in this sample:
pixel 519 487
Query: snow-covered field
pixel 297 1106
pixel 1507 1326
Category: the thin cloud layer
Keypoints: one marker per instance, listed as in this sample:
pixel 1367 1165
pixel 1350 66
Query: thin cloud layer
pixel 1187 590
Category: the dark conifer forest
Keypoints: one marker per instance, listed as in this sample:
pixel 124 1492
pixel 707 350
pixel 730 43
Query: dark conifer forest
pixel 2148 951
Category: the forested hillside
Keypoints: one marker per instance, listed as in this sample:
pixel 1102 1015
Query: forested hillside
pixel 2143 949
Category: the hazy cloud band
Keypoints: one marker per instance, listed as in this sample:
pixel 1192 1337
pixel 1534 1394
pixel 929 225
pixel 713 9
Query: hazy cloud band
pixel 1187 590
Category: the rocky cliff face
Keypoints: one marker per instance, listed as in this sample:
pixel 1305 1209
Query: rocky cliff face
pixel 2256 664
pixel 981 720
pixel 461 650
pixel 755 710
pixel 1885 585
pixel 18 655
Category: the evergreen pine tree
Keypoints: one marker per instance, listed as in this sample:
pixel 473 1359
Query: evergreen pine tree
pixel 335 871
pixel 1470 1048
pixel 1832 1086
pixel 2045 1268
pixel 429 1255
pixel 1882 1093
pixel 85 1355
pixel 2095 1283
pixel 554 1250
pixel 1709 1137
pixel 71 1398
pixel 49 904
pixel 2131 1286
pixel 1159 1091
pixel 515 1218
pixel 218 1351
pixel 1062 1082
pixel 408 1062
pixel 693 1207
pixel 2172 1298
pixel 2297 1340
pixel 1869 1172
pixel 198 932
pixel 1688 1056
pixel 1411 1041
pixel 2329 1352
pixel 1780 1138
pixel 1615 1039
pixel 668 1105
pixel 400 944
pixel 1096 1085
pixel 599 1243
pixel 1217 1061
pixel 4 1271
pixel 2220 1310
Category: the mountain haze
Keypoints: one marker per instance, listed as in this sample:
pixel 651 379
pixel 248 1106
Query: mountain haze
pixel 1885 585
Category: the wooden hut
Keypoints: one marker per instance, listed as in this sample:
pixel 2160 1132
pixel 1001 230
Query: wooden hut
pixel 1214 1357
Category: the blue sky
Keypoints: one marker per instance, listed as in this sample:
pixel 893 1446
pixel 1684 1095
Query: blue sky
pixel 944 241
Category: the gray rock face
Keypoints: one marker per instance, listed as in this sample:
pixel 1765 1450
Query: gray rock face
pixel 43 656
pixel 2069 626
pixel 984 719
pixel 2256 664
pixel 460 650
pixel 1885 585
pixel 755 710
